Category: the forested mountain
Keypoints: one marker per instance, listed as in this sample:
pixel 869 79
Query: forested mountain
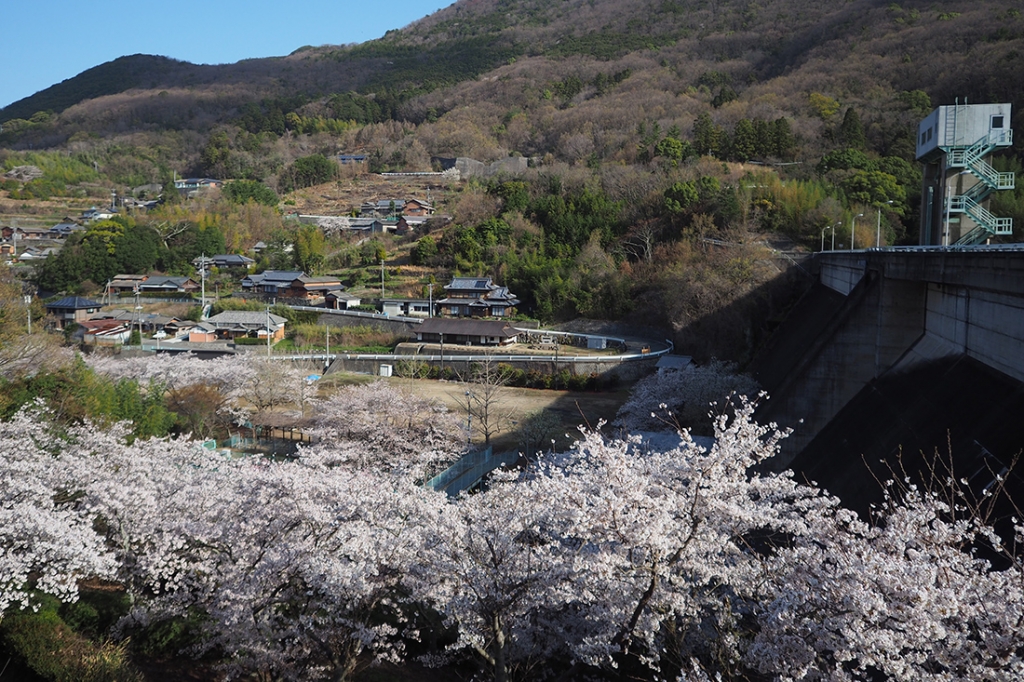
pixel 679 54
pixel 653 128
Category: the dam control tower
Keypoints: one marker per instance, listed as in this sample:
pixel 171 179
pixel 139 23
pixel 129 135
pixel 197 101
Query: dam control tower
pixel 955 145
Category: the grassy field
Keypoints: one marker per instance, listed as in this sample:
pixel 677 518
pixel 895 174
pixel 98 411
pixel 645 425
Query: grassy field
pixel 570 409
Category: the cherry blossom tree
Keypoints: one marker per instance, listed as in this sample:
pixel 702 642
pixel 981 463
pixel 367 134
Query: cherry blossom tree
pixel 47 542
pixel 670 400
pixel 686 563
pixel 490 565
pixel 249 387
pixel 599 552
pixel 671 536
pixel 906 597
pixel 296 567
pixel 383 427
pixel 174 371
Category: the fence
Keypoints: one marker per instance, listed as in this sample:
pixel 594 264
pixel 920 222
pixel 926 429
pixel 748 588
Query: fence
pixel 357 313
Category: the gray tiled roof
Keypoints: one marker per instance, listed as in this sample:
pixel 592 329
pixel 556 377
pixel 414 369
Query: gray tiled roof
pixel 74 302
pixel 440 325
pixel 245 318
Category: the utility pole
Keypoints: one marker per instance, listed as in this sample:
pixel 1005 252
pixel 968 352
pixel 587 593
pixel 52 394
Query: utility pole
pixel 202 277
pixel 430 304
pixel 28 307
pixel 382 280
pixel 327 360
pixel 138 314
pixel 268 331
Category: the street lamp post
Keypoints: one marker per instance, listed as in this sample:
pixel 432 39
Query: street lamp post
pixel 878 229
pixel 829 227
pixel 853 229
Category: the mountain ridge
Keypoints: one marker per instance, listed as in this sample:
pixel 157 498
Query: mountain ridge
pixel 743 59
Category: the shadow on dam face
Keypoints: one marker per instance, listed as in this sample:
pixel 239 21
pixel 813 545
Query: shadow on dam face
pixel 958 408
pixel 894 358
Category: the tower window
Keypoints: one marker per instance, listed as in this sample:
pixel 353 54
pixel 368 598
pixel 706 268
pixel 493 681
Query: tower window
pixel 997 121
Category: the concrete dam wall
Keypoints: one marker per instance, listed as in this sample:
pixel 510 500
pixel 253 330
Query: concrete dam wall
pixel 874 320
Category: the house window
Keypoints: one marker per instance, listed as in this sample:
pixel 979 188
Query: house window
pixel 923 138
pixel 929 135
pixel 997 121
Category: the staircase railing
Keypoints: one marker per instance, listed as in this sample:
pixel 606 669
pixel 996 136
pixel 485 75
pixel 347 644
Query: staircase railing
pixel 981 215
pixel 991 180
pixel 975 236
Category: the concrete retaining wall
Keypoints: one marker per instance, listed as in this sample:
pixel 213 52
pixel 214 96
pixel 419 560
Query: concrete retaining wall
pixel 625 371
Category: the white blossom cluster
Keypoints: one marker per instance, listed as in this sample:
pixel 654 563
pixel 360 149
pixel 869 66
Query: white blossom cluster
pixel 668 400
pixel 682 563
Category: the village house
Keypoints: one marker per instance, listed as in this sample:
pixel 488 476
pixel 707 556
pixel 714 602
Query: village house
pixel 105 332
pixel 466 332
pixel 312 288
pixel 338 299
pixel 233 324
pixel 168 285
pixel 125 284
pixel 192 185
pixel 147 322
pixel 417 208
pixel 179 329
pixel 477 297
pixel 72 310
pixel 275 282
pixel 36 253
pixel 64 229
pixel 393 208
pixel 406 307
pixel 95 214
pixel 231 260
pixel 223 261
pixel 25 233
pixel 381 208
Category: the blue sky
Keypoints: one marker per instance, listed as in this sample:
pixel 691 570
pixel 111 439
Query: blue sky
pixel 47 41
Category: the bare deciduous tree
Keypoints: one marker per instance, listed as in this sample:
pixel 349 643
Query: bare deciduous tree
pixel 482 397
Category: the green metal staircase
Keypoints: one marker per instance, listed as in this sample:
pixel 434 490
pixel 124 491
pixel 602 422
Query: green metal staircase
pixel 972 159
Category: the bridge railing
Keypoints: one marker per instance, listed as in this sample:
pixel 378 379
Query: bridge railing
pixel 469 469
